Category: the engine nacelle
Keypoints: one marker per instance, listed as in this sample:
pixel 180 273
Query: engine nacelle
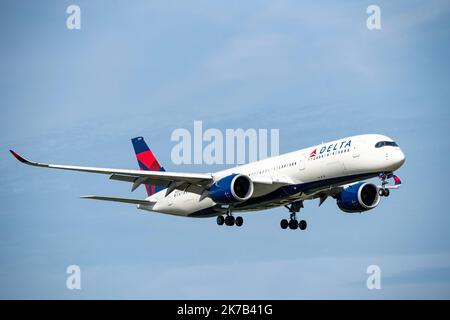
pixel 358 197
pixel 231 189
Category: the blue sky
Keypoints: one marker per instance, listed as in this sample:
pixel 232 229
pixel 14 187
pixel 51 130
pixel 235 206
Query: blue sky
pixel 315 72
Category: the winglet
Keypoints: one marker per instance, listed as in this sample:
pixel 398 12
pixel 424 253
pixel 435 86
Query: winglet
pixel 18 157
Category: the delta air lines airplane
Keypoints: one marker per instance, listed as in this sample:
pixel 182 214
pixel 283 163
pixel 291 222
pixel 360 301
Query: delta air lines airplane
pixel 334 169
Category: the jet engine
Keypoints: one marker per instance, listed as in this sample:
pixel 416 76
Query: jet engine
pixel 358 197
pixel 231 189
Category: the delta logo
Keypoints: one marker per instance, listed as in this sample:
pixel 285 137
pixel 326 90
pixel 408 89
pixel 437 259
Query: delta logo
pixel 332 147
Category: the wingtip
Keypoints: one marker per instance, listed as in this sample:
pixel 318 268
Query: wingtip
pixel 18 157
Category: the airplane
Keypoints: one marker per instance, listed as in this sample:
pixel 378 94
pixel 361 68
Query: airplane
pixel 335 169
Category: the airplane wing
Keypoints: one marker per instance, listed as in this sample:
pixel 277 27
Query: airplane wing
pixel 124 200
pixel 191 182
pixel 172 180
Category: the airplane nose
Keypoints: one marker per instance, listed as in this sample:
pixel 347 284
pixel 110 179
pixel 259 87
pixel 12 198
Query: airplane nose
pixel 400 158
pixel 396 158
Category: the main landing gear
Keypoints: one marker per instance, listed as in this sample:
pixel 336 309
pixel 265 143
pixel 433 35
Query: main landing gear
pixel 293 223
pixel 230 220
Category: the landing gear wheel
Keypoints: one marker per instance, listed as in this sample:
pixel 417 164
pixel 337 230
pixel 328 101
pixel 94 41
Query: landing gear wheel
pixel 220 220
pixel 302 224
pixel 382 192
pixel 386 192
pixel 229 220
pixel 293 224
pixel 284 224
pixel 239 221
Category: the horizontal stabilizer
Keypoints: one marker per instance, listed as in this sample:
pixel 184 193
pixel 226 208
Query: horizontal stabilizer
pixel 124 200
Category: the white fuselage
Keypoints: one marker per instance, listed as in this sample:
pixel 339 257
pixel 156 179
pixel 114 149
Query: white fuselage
pixel 338 162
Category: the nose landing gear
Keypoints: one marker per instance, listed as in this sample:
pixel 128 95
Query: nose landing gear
pixel 293 223
pixel 383 190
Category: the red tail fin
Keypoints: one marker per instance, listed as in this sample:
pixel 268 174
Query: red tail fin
pixel 147 161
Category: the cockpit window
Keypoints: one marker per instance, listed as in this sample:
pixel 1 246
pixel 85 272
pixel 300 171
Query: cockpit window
pixel 385 143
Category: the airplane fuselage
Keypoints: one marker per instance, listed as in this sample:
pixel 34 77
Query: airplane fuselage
pixel 330 164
